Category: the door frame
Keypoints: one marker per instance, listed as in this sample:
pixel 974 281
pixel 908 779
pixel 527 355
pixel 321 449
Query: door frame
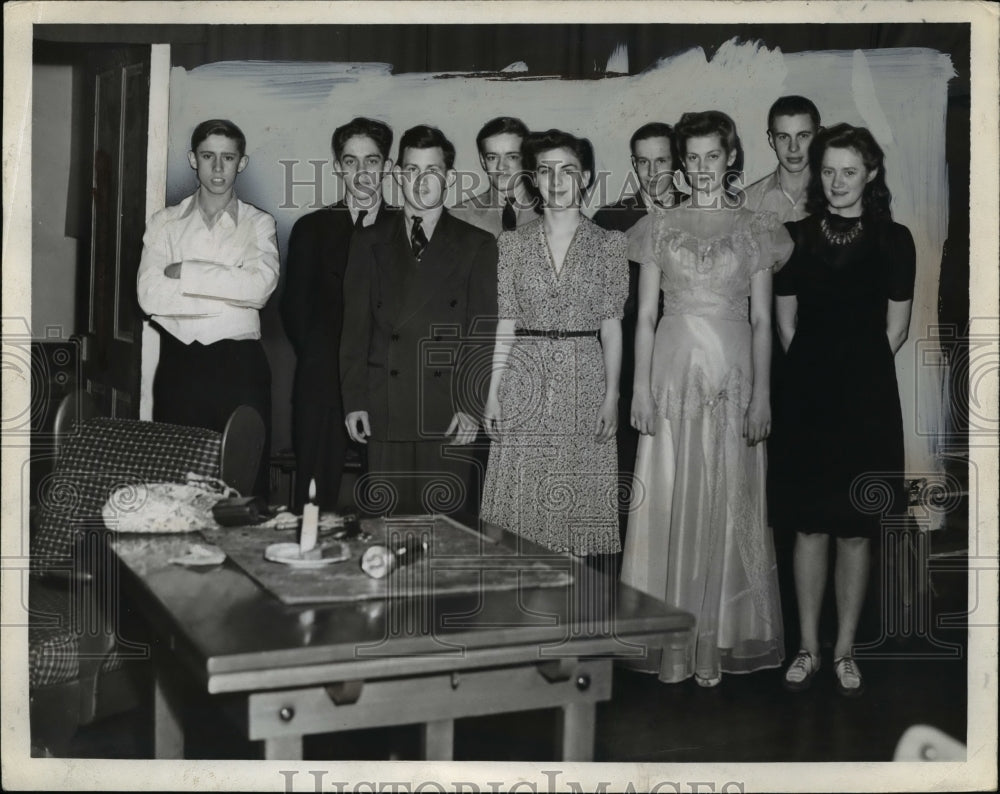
pixel 156 198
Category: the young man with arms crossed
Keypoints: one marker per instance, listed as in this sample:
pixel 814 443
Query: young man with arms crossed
pixel 208 266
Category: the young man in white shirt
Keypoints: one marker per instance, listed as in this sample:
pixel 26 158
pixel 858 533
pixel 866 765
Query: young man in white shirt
pixel 208 266
pixel 792 123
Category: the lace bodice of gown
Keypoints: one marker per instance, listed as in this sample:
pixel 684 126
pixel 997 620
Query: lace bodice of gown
pixel 707 257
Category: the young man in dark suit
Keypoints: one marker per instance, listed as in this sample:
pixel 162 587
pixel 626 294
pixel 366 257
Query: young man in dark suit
pixel 419 320
pixel 654 158
pixel 313 302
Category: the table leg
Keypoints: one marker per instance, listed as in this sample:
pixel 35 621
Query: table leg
pixel 168 732
pixel 283 748
pixel 577 724
pixel 438 740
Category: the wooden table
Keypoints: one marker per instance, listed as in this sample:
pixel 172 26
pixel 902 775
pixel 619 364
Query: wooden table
pixel 282 672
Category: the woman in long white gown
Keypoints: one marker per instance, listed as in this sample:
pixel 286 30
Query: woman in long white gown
pixel 697 533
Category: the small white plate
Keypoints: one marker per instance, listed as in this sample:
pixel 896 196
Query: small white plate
pixel 290 554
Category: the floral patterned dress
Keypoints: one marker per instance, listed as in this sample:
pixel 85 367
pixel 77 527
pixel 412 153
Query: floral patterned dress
pixel 697 533
pixel 548 478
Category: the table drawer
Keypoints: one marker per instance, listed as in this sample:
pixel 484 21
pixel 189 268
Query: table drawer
pixel 421 699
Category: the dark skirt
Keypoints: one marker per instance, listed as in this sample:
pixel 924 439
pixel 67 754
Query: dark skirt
pixel 839 467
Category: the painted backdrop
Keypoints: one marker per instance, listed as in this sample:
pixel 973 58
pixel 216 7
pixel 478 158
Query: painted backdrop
pixel 288 111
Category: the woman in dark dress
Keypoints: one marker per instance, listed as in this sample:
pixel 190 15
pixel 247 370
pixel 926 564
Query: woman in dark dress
pixel 843 311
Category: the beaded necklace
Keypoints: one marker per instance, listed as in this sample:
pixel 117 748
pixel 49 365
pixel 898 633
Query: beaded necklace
pixel 840 238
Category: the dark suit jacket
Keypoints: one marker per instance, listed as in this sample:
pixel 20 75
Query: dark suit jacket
pixel 621 217
pixel 312 304
pixel 418 338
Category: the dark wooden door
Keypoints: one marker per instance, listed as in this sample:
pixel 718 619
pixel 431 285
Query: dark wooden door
pixel 119 85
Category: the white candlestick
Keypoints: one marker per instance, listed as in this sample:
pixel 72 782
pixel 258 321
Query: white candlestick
pixel 310 522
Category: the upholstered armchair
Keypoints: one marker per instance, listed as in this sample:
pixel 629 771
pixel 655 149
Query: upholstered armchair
pixel 84 658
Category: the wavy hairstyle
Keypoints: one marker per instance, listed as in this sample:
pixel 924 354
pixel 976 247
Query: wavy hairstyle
pixel 876 199
pixel 713 122
pixel 378 131
pixel 538 142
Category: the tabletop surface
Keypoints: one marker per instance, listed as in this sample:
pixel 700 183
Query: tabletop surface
pixel 220 621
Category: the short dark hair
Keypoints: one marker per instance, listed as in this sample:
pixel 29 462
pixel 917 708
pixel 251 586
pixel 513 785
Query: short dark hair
pixel 538 142
pixel 378 131
pixel 655 129
pixel 712 122
pixel 792 105
pixel 876 199
pixel 500 126
pixel 219 127
pixel 423 136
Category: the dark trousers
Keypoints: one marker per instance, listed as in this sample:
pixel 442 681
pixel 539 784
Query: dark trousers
pixel 416 477
pixel 201 385
pixel 320 442
pixel 480 449
pixel 627 436
pixel 784 540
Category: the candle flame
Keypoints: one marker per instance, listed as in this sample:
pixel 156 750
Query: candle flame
pixel 312 490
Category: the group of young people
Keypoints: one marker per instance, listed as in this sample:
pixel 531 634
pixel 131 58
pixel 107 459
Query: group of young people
pixel 478 354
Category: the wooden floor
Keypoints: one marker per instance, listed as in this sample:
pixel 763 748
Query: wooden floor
pixel 920 677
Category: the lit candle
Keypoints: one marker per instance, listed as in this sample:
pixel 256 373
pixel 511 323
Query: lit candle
pixel 310 522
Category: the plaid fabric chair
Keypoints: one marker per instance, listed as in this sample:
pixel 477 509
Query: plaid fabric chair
pixel 72 635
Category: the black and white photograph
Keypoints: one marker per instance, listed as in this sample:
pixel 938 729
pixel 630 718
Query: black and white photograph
pixel 500 396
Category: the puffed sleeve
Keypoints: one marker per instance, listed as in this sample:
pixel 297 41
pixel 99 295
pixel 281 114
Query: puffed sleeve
pixel 508 306
pixel 786 279
pixel 774 244
pixel 901 256
pixel 641 241
pixel 615 275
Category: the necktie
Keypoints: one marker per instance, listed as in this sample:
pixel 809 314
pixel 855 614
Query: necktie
pixel 509 217
pixel 360 220
pixel 418 240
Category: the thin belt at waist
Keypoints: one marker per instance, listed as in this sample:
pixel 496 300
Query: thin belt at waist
pixel 555 334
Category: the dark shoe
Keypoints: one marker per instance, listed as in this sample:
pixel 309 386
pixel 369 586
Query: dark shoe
pixel 800 672
pixel 849 681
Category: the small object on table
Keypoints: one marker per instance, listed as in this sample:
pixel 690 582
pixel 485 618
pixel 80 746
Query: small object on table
pixel 200 554
pixel 284 520
pixel 241 511
pixel 310 521
pixel 291 554
pixel 379 561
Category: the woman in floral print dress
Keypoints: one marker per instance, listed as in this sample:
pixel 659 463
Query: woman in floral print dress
pixel 553 397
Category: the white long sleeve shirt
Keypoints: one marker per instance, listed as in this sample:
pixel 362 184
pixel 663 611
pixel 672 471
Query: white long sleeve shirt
pixel 228 271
